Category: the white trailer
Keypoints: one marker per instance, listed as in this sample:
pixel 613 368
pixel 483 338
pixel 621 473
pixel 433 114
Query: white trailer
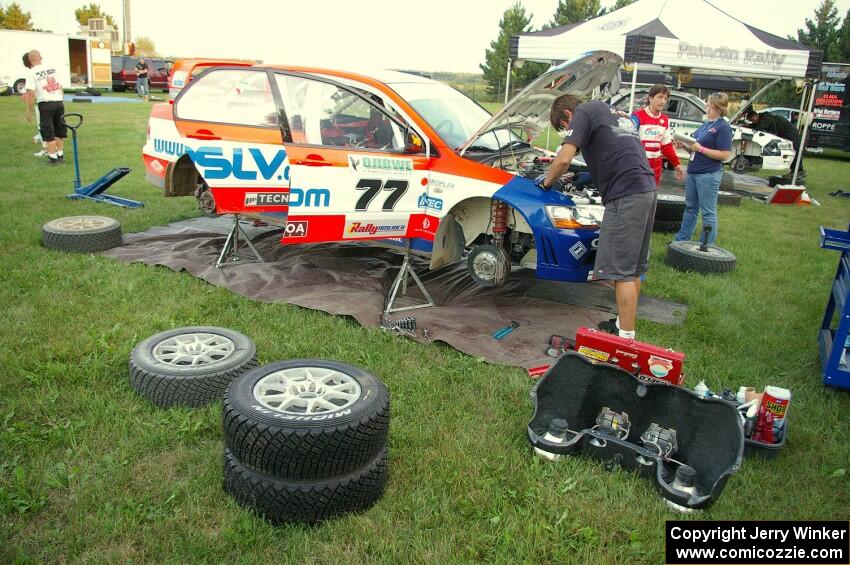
pixel 77 58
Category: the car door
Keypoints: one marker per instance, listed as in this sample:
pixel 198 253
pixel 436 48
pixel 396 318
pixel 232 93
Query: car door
pixel 228 123
pixel 351 175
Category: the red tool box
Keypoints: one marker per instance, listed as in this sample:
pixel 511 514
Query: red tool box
pixel 647 360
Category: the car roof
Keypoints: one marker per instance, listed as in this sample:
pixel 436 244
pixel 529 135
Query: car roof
pixel 384 76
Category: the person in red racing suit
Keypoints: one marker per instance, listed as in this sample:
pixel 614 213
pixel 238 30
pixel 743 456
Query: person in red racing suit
pixel 655 134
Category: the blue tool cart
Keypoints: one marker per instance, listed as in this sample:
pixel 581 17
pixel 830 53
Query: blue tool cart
pixel 834 355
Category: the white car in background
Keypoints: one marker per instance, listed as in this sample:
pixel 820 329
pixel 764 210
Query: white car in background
pixel 751 150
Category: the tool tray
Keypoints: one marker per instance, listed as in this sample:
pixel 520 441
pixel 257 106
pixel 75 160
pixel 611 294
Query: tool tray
pixel 709 432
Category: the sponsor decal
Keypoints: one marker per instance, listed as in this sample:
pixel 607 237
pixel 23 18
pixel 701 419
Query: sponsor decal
pixel 578 250
pixel 835 73
pixel 723 54
pixel 829 100
pixel 441 184
pixel 594 244
pixel 831 86
pixel 165 147
pixel 310 198
pixel 659 366
pixel 426 201
pixel 381 165
pixel 612 25
pixel 826 114
pixel 629 354
pixel 266 199
pixel 295 229
pixel 594 353
pixel 365 229
pixel 239 164
pixel 822 126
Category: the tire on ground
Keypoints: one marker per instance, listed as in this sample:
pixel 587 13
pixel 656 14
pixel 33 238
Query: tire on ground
pixel 686 256
pixel 725 198
pixel 727 181
pixel 82 234
pixel 280 501
pixel 271 425
pixel 670 207
pixel 666 226
pixel 190 366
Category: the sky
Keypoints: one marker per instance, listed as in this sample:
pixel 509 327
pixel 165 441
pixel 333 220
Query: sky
pixel 448 35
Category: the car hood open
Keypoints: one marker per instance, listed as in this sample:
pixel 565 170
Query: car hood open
pixel 529 110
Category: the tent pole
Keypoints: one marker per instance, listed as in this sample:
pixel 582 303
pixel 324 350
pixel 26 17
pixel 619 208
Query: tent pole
pixel 508 81
pixel 803 102
pixel 634 83
pixel 812 94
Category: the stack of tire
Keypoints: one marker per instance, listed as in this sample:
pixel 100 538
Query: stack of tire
pixel 668 213
pixel 305 440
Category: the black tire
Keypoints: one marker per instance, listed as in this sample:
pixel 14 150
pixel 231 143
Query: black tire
pixel 165 367
pixel 670 207
pixel 290 444
pixel 118 89
pixel 686 256
pixel 20 87
pixel 728 198
pixel 666 226
pixel 488 265
pixel 740 164
pixel 280 501
pixel 82 234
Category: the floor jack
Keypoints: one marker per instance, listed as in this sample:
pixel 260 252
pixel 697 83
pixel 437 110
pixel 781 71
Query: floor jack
pixel 230 253
pixel 96 190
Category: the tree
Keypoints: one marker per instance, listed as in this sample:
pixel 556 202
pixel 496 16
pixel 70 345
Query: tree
pixel 15 18
pixel 145 47
pixel 842 46
pixel 622 4
pixel 822 33
pixel 85 13
pixel 573 11
pixel 495 64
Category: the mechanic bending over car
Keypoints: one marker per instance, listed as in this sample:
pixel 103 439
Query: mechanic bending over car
pixel 619 169
pixel 777 125
pixel 655 134
pixel 713 146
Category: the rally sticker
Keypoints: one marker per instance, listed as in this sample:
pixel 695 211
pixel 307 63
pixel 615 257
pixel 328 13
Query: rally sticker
pixel 659 366
pixel 593 353
pixel 381 165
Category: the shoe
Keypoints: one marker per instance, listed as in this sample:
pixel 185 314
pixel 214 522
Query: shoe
pixel 41 153
pixel 609 326
pixel 53 162
pixel 61 158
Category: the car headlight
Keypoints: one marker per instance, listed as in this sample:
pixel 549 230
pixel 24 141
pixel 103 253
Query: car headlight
pixel 576 217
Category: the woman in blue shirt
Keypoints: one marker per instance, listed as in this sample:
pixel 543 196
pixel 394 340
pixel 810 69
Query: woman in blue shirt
pixel 712 148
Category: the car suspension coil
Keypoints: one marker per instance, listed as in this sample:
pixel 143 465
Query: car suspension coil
pixel 500 221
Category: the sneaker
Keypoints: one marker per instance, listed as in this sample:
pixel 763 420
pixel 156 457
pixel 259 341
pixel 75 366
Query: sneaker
pixel 609 326
pixel 41 153
pixel 53 162
pixel 61 158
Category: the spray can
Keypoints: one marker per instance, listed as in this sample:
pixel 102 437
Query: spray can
pixel 684 481
pixel 557 433
pixel 776 400
pixel 702 389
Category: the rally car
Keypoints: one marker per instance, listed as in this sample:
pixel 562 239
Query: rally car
pixel 383 156
pixel 751 150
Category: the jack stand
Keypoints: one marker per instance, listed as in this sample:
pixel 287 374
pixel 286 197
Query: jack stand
pixel 401 280
pixel 230 251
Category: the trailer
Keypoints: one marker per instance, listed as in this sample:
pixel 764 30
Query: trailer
pixel 82 62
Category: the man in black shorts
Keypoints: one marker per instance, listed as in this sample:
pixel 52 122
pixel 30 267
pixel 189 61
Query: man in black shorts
pixel 43 86
pixel 620 171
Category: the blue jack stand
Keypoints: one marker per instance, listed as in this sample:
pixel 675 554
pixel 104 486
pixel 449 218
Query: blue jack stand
pixel 95 191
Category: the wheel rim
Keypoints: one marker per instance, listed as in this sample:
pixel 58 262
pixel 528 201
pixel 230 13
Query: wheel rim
pixel 307 391
pixel 484 265
pixel 711 251
pixel 195 349
pixel 671 198
pixel 82 223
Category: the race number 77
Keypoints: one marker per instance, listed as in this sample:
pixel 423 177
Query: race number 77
pixel 372 187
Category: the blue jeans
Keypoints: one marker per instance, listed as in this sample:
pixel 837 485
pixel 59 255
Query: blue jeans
pixel 142 86
pixel 700 197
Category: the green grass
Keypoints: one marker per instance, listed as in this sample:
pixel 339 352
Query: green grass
pixel 89 471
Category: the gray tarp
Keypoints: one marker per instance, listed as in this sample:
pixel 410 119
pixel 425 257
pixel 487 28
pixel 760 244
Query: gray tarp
pixel 353 279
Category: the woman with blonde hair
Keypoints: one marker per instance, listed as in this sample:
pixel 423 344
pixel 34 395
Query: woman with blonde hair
pixel 713 146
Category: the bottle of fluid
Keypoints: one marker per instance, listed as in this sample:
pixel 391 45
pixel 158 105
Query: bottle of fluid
pixel 702 389
pixel 557 433
pixel 684 481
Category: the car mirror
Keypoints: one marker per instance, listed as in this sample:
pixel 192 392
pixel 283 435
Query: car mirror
pixel 413 143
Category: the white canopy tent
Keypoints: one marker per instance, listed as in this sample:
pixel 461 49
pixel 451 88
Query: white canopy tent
pixel 674 35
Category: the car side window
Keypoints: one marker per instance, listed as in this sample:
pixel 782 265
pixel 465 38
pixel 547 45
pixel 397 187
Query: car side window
pixel 321 113
pixel 229 96
pixel 672 108
pixel 690 112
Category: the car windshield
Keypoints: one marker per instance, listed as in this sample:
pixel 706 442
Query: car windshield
pixel 453 115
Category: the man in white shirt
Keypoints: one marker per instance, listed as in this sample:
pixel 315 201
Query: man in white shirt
pixel 44 88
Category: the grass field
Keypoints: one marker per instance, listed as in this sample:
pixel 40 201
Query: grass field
pixel 91 472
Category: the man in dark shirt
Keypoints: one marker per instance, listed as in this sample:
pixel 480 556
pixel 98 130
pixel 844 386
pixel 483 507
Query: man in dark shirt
pixel 620 171
pixel 777 125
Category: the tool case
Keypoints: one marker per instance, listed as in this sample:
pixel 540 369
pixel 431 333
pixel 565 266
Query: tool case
pixel 644 360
